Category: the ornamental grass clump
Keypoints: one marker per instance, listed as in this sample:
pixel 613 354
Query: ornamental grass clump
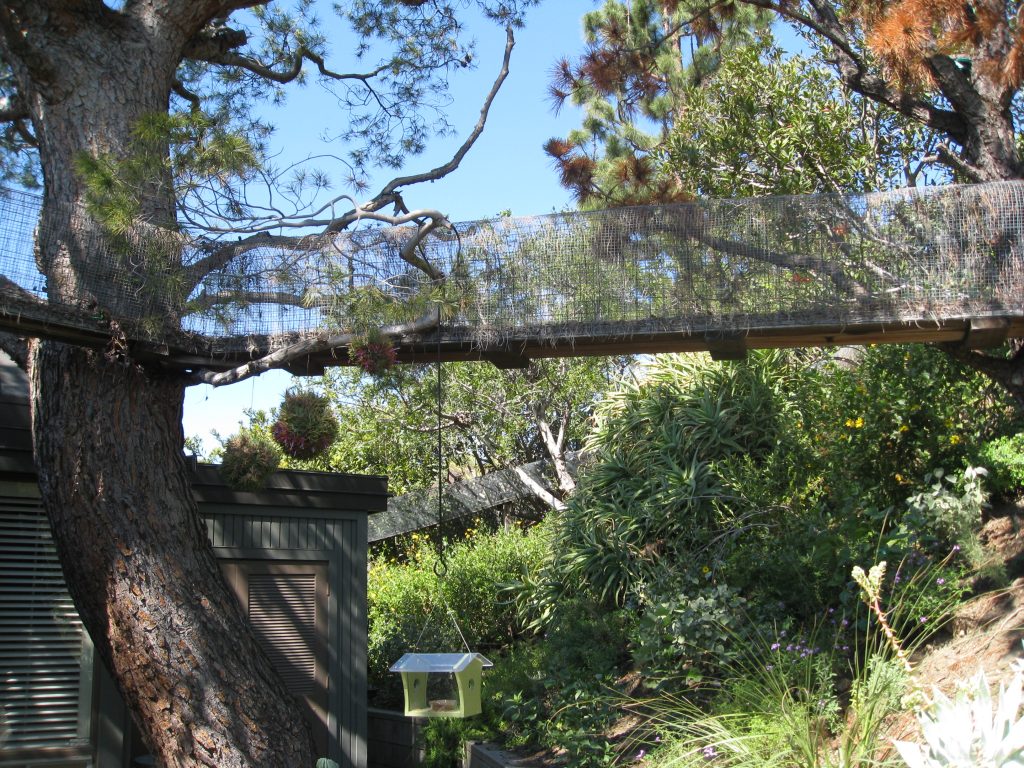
pixel 306 425
pixel 249 459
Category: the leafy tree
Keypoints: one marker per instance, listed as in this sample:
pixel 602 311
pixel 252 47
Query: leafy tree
pixel 643 57
pixel 491 419
pixel 144 114
pixel 926 91
pixel 953 69
pixel 767 124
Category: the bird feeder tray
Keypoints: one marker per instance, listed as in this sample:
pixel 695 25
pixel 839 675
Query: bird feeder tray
pixel 430 680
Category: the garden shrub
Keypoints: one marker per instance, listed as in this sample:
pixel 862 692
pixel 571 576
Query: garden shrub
pixel 654 494
pixel 1004 460
pixel 406 611
pixel 688 629
pixel 899 413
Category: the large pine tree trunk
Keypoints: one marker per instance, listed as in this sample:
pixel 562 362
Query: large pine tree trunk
pixel 108 436
pixel 141 570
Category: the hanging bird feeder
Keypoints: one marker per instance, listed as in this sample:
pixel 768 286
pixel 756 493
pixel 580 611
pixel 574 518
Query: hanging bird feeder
pixel 441 684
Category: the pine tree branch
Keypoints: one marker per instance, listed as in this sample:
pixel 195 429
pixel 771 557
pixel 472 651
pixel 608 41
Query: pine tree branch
pixel 426 219
pixel 855 74
pixel 322 342
pixel 229 58
pixel 388 194
pixel 794 261
pixel 206 300
pixel 195 103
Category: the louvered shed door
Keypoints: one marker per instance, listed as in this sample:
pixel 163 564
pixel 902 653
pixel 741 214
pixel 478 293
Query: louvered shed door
pixel 287 607
pixel 40 635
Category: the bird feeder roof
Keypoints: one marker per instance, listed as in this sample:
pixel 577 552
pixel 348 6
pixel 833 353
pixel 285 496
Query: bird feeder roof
pixel 437 662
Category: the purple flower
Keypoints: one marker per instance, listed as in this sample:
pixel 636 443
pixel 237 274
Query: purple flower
pixel 775 646
pixel 640 754
pixel 940 581
pixel 709 752
pixel 924 619
pixel 956 547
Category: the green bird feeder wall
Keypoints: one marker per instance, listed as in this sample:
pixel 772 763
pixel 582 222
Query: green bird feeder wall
pixel 441 684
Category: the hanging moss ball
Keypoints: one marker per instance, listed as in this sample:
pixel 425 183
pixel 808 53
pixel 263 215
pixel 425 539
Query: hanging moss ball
pixel 306 425
pixel 249 459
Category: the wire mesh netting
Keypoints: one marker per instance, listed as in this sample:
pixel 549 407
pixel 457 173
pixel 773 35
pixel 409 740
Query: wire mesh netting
pixel 920 254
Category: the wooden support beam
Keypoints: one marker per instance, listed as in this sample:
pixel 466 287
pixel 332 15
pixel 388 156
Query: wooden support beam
pixel 507 360
pixel 727 347
pixel 986 332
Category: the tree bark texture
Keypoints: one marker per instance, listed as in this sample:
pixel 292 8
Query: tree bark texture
pixel 107 433
pixel 108 441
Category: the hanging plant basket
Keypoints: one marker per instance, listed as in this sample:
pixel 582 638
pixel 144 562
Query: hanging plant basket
pixel 374 353
pixel 306 426
pixel 249 459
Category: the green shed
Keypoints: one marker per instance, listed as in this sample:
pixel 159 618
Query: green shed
pixel 294 553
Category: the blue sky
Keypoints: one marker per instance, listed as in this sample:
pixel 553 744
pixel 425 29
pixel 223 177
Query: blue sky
pixel 505 170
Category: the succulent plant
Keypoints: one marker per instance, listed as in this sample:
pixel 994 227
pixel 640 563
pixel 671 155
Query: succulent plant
pixel 970 729
pixel 249 459
pixel 306 425
pixel 374 353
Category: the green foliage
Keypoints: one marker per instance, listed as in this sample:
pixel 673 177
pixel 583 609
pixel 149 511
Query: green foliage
pixel 952 506
pixel 895 415
pixel 443 740
pixel 408 603
pixel 756 478
pixel 793 701
pixel 490 417
pixel 763 124
pixel 687 629
pixel 632 83
pixel 1004 460
pixel 654 495
pixel 564 698
pixel 248 459
pixel 165 147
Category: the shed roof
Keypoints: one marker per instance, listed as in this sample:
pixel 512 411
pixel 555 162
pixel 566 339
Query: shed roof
pixel 327 491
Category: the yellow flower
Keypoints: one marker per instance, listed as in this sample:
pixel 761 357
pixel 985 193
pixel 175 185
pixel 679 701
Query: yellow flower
pixel 705 570
pixel 904 428
pixel 954 439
